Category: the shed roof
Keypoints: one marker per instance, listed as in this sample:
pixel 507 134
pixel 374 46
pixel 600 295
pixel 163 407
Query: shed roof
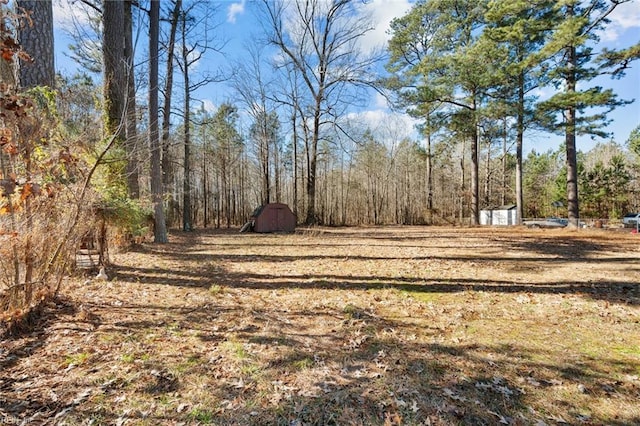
pixel 505 207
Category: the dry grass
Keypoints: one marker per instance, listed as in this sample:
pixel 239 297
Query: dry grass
pixel 349 326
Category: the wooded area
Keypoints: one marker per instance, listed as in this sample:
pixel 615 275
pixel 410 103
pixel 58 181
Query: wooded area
pixel 333 324
pixel 97 147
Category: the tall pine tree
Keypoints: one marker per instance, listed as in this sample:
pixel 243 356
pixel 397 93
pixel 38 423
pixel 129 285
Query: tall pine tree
pixel 517 29
pixel 573 65
pixel 437 46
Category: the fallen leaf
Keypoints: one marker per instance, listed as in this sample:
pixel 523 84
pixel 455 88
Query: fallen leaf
pixel 502 419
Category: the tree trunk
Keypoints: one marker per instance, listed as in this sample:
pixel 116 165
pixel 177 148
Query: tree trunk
pixel 573 211
pixel 429 171
pixel 276 171
pixel 186 196
pixel 519 144
pixel 131 128
pixel 264 157
pixel 226 182
pixel 218 199
pixel 474 168
pixel 160 228
pixel 503 192
pixel 487 175
pixel 463 188
pixel 312 159
pixel 167 169
pixel 113 63
pixel 205 176
pixel 295 163
pixel 37 41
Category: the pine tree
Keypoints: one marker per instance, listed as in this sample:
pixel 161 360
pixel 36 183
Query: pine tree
pixel 517 29
pixel 413 39
pixel 573 64
pixel 36 38
pixel 160 228
pixel 437 46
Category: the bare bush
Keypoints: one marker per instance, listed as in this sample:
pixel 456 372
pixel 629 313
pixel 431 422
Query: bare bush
pixel 45 201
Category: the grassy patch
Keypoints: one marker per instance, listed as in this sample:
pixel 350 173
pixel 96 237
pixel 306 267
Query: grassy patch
pixel 128 358
pixel 244 361
pixel 353 312
pixel 235 348
pixel 632 351
pixel 77 359
pixel 303 364
pixel 216 289
pixel 250 369
pixel 202 415
pixel 188 364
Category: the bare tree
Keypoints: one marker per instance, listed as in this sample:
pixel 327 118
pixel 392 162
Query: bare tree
pixel 195 26
pixel 249 82
pixel 168 92
pixel 131 128
pixel 320 39
pixel 185 64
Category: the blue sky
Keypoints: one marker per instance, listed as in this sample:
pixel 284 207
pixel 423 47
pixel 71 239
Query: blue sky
pixel 239 25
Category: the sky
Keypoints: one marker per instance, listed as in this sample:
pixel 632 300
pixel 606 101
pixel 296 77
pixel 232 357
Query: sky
pixel 238 23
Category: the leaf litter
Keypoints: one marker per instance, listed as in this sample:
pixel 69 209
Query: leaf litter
pixel 384 326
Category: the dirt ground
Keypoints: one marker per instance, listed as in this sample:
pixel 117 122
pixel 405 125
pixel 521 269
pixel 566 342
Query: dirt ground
pixel 387 326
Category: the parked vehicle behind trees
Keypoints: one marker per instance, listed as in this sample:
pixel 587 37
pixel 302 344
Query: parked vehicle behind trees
pixel 630 220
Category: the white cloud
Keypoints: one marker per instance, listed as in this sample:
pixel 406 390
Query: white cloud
pixel 377 13
pixel 380 101
pixel 544 92
pixel 382 12
pixel 234 10
pixel 623 17
pixel 195 56
pixel 388 127
pixel 66 12
pixel 209 106
pixel 626 15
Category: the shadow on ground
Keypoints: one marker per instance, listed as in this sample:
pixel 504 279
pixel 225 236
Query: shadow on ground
pixel 227 359
pixel 524 254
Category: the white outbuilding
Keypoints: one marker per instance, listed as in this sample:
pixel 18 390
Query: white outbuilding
pixel 499 216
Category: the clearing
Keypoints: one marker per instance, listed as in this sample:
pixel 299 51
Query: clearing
pixel 389 325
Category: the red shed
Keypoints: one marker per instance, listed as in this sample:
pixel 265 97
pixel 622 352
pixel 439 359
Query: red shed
pixel 273 217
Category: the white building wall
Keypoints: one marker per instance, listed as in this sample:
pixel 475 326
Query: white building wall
pixel 498 217
pixel 485 217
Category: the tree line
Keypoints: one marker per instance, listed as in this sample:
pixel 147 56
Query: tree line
pixel 467 71
pixel 127 140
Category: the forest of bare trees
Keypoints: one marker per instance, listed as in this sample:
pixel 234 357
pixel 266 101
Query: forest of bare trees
pixel 288 134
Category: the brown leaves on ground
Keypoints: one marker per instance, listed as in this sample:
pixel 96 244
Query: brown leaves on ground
pixel 388 326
